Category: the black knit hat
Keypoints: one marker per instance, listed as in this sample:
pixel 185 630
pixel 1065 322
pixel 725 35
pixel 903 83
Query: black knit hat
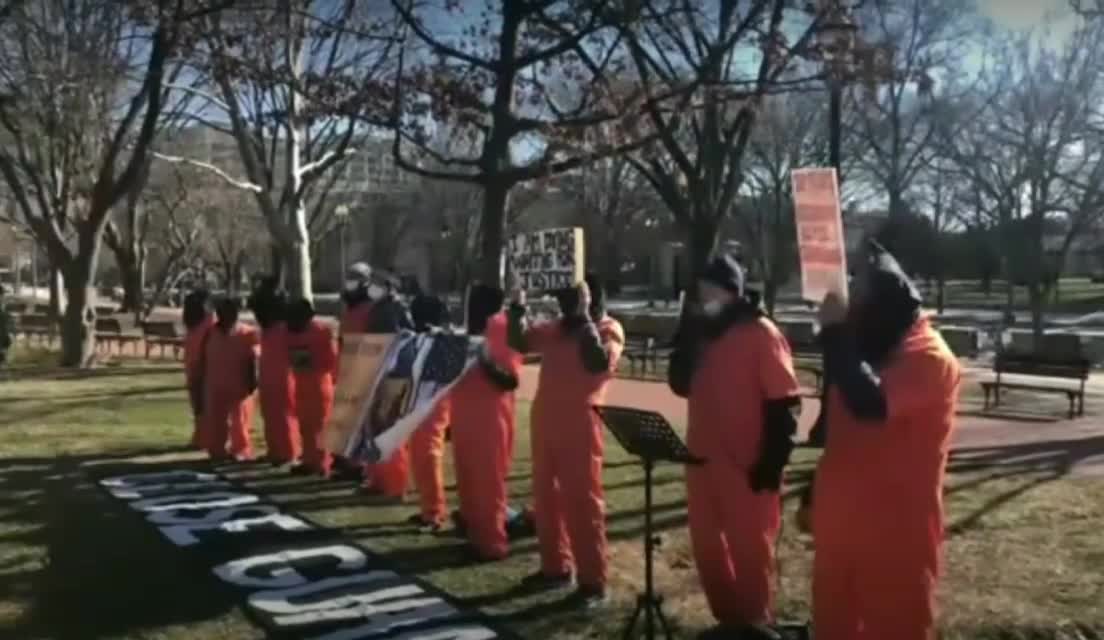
pixel 725 272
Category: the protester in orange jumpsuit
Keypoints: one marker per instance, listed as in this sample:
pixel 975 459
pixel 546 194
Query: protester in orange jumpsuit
pixel 198 320
pixel 230 378
pixel 276 392
pixel 878 496
pixel 483 427
pixel 427 444
pixel 312 353
pixel 734 367
pixel 355 318
pixel 386 481
pixel 579 354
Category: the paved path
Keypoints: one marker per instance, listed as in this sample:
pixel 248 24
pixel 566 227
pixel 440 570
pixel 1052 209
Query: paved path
pixel 1041 441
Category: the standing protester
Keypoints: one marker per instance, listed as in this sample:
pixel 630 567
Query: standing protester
pixel 483 426
pixel 5 329
pixel 427 444
pixel 277 388
pixel 579 354
pixel 386 480
pixel 230 377
pixel 312 354
pixel 735 368
pixel 198 320
pixel 878 497
pixel 354 319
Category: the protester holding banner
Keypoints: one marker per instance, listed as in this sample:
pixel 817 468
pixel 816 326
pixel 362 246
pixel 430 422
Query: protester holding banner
pixel 735 368
pixel 427 445
pixel 277 389
pixel 230 378
pixel 483 426
pixel 878 496
pixel 579 352
pixel 354 319
pixel 198 321
pixel 312 353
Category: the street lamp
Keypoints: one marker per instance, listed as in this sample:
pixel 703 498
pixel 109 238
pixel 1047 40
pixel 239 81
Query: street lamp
pixel 836 38
pixel 341 214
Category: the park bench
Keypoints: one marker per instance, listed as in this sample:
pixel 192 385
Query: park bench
pixel 164 335
pixel 110 331
pixel 37 326
pixel 1039 366
pixel 646 342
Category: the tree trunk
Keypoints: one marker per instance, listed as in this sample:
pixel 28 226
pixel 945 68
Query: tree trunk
pixel 57 292
pixel 770 293
pixel 78 326
pixel 132 269
pixel 703 241
pixel 941 292
pixel 1037 296
pixel 496 197
pixel 297 257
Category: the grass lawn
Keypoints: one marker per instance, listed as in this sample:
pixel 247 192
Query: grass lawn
pixel 1025 558
pixel 1075 295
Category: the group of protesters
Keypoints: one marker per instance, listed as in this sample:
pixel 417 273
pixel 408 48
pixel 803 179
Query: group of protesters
pixel 874 507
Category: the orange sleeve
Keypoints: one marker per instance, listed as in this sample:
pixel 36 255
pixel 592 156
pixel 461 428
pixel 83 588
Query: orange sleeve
pixel 613 339
pixel 923 383
pixel 776 370
pixel 327 351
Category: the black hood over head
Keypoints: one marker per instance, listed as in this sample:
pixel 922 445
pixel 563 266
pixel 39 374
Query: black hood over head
pixel 428 311
pixel 725 272
pixel 890 305
pixel 597 296
pixel 299 315
pixel 195 308
pixel 483 302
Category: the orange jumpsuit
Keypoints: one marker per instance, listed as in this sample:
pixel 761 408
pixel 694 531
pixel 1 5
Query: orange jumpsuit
pixel 313 357
pixel 567 453
pixel 733 529
pixel 878 503
pixel 231 360
pixel 193 378
pixel 277 395
pixel 427 448
pixel 483 444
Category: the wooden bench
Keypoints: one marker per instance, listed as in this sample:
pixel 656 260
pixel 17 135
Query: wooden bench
pixel 163 335
pixel 1039 366
pixel 38 326
pixel 110 330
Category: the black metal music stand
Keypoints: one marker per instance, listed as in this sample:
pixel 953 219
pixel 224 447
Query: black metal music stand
pixel 648 436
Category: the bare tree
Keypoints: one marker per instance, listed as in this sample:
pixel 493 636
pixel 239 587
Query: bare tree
pixel 82 84
pixel 292 81
pixel 493 84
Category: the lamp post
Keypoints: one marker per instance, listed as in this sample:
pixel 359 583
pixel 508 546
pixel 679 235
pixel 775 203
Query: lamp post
pixel 836 38
pixel 341 213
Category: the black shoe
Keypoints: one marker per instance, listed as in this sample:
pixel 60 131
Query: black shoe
pixel 301 470
pixel 590 598
pixel 540 581
pixel 346 474
pixel 423 525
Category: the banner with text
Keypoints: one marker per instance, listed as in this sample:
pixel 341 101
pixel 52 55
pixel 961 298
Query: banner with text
pixel 297 579
pixel 820 240
pixel 548 259
pixel 362 357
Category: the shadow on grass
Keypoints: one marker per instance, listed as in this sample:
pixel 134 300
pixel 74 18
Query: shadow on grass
pixel 102 572
pixel 1036 463
pixel 35 373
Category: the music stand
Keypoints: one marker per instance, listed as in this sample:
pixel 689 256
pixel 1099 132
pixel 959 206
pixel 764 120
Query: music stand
pixel 648 436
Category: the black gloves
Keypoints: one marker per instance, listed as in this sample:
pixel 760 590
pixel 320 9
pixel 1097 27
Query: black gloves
pixel 779 427
pixel 856 380
pixel 593 353
pixel 501 378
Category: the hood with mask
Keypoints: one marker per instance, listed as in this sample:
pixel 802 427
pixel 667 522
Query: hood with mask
pixel 725 272
pixel 269 307
pixel 569 298
pixel 299 315
pixel 226 312
pixel 885 307
pixel 597 308
pixel 357 279
pixel 428 312
pixel 483 302
pixel 195 309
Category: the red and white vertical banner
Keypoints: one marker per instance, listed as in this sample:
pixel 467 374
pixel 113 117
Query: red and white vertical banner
pixel 820 240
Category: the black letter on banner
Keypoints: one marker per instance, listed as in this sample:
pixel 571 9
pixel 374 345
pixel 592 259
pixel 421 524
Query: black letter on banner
pixel 184 535
pixel 131 492
pixel 388 623
pixel 286 607
pixel 195 501
pixel 136 479
pixel 283 575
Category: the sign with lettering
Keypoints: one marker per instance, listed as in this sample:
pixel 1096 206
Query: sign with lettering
pixel 820 240
pixel 298 580
pixel 547 260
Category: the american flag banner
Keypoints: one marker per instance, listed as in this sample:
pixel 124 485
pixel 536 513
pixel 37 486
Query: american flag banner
pixel 432 363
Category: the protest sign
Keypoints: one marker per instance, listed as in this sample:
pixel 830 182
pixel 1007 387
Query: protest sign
pixel 548 259
pixel 820 238
pixel 362 357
